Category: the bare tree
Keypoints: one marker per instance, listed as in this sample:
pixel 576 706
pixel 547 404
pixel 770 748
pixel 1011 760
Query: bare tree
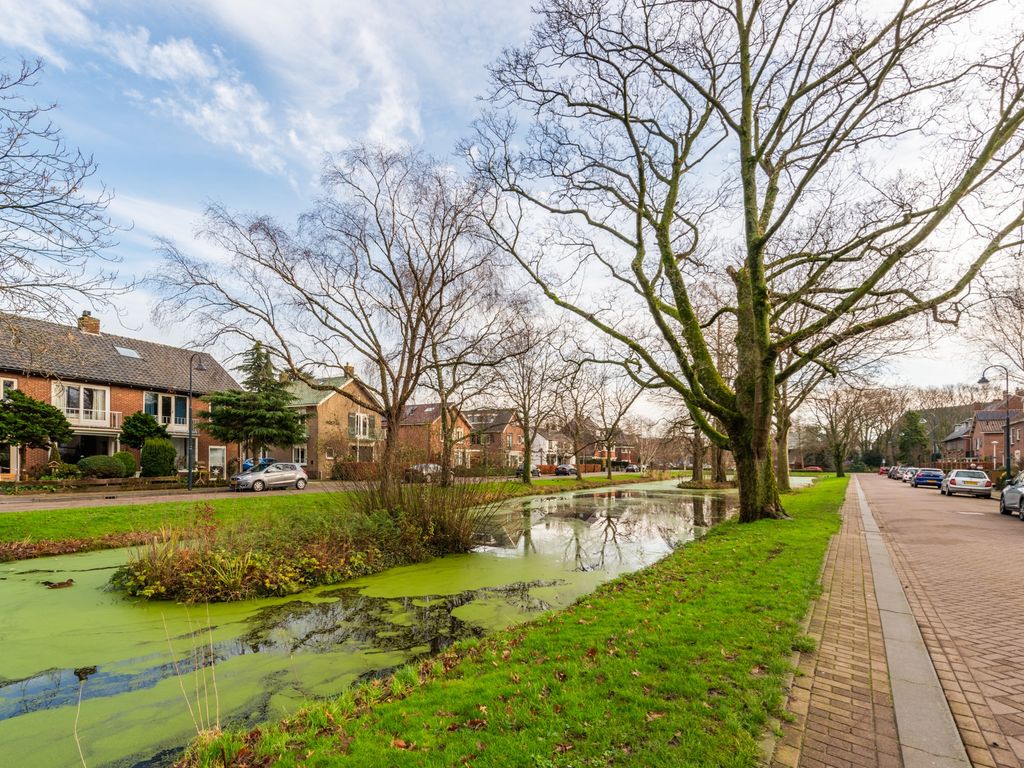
pixel 836 410
pixel 649 437
pixel 52 232
pixel 655 126
pixel 373 272
pixel 529 382
pixel 577 396
pixel 616 395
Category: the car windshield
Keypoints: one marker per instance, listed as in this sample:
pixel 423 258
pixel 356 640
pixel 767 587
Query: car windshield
pixel 971 473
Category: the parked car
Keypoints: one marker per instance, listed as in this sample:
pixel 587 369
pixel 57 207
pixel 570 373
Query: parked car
pixel 261 463
pixel 928 476
pixel 895 472
pixel 883 470
pixel 907 473
pixel 426 473
pixel 1011 500
pixel 972 481
pixel 812 468
pixel 632 468
pixel 565 470
pixel 277 475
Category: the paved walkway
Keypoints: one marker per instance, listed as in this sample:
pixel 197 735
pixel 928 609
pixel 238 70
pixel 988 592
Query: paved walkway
pixel 912 572
pixel 841 698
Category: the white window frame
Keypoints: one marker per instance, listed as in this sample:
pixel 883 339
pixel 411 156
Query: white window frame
pixel 362 426
pixel 167 419
pixel 329 453
pixel 299 455
pixel 59 399
pixel 4 382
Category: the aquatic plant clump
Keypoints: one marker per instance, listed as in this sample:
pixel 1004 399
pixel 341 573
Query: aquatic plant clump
pixel 339 538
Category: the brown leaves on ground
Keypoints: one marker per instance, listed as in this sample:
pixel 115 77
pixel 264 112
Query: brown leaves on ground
pixel 25 549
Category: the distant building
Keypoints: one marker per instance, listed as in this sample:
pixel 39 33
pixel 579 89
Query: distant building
pixel 420 438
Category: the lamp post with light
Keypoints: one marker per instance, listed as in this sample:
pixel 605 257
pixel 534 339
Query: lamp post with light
pixel 1006 411
pixel 192 366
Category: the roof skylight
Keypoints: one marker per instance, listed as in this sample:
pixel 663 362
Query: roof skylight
pixel 128 352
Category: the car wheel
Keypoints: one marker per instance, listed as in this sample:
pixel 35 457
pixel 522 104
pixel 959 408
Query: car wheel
pixel 1002 506
pixel 259 485
pixel 1020 508
pixel 300 483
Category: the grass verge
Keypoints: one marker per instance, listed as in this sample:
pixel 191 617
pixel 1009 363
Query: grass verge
pixel 679 664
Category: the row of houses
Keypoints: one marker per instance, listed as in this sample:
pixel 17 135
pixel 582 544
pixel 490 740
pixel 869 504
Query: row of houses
pixel 97 379
pixel 980 438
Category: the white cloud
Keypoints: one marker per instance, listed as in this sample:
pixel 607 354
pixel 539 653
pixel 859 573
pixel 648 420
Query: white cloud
pixel 43 27
pixel 173 60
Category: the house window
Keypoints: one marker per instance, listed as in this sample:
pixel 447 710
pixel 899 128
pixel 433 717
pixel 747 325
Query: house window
pixel 299 454
pixel 81 402
pixel 8 385
pixel 329 453
pixel 362 426
pixel 508 441
pixel 459 433
pixel 166 409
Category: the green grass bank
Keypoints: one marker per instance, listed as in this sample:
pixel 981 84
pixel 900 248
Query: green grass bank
pixel 78 529
pixel 679 664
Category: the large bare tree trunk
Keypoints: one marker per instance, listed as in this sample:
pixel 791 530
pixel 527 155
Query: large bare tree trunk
pixel 697 475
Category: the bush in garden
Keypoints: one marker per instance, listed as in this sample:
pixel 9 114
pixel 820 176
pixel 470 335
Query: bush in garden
pixel 158 457
pixel 127 461
pixel 101 466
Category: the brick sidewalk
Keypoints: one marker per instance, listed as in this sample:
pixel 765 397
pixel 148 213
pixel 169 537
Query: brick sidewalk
pixel 841 699
pixel 962 568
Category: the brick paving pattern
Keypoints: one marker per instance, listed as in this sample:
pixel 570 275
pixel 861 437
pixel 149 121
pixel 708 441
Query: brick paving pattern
pixel 961 564
pixel 841 699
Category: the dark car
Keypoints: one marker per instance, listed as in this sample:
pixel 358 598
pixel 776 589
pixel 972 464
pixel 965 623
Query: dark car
pixel 632 468
pixel 927 477
pixel 426 473
pixel 534 471
pixel 565 470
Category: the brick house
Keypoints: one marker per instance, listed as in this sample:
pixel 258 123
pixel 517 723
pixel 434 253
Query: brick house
pixel 337 429
pixel 98 378
pixel 419 435
pixel 988 432
pixel 496 437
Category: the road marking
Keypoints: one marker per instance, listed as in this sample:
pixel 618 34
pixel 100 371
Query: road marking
pixel 969 513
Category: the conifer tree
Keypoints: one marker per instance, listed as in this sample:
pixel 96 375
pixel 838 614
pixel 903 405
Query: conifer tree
pixel 258 416
pixel 30 423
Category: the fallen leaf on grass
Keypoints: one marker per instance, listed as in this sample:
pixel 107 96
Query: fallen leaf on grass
pixel 651 716
pixel 563 748
pixel 398 743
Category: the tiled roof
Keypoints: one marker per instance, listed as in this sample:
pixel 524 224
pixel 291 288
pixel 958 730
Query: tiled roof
pixel 29 346
pixel 490 419
pixel 959 431
pixel 425 413
pixel 995 415
pixel 306 395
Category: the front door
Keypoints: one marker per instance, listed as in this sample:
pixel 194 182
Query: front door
pixel 218 462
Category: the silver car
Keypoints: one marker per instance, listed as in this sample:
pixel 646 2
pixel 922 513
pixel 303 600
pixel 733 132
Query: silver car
pixel 972 481
pixel 1011 500
pixel 278 475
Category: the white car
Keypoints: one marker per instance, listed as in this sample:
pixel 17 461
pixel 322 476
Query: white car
pixel 972 481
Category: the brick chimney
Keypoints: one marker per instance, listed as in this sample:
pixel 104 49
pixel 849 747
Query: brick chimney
pixel 89 324
pixel 350 371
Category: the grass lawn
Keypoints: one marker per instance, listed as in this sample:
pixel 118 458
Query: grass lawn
pixel 81 523
pixel 679 664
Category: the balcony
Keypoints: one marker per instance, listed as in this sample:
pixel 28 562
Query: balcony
pixel 174 424
pixel 84 417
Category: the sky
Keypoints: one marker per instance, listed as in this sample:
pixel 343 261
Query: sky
pixel 237 101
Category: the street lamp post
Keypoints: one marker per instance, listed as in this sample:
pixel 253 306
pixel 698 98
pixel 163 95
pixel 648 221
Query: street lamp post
pixel 1006 412
pixel 192 366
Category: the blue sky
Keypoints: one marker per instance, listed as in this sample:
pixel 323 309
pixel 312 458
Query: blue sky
pixel 237 101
